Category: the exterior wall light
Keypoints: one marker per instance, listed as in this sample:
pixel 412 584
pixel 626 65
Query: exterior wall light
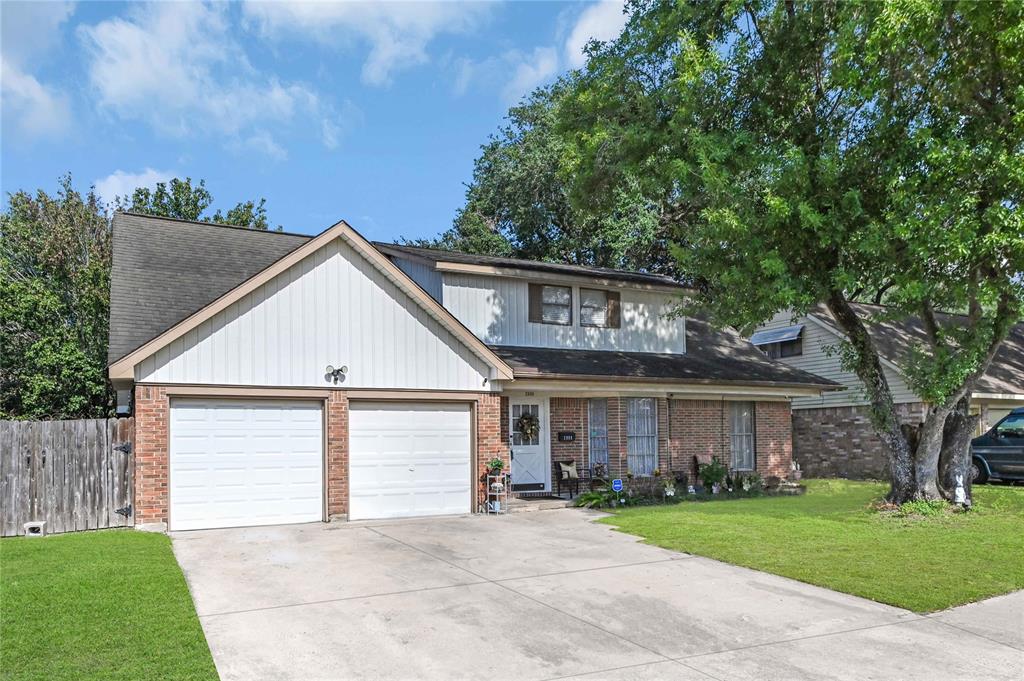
pixel 335 375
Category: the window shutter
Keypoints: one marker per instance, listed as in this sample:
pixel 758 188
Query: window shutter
pixel 614 313
pixel 535 303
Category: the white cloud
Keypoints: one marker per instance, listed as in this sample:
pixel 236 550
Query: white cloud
pixel 398 33
pixel 179 68
pixel 31 108
pixel 263 142
pixel 600 21
pixel 521 71
pixel 121 183
pixel 31 29
pixel 532 69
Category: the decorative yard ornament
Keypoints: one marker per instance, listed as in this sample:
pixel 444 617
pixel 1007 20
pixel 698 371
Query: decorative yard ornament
pixel 960 495
pixel 528 426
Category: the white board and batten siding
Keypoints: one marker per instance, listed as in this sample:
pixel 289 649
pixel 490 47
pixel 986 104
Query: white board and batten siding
pixel 332 308
pixel 423 274
pixel 496 309
pixel 816 360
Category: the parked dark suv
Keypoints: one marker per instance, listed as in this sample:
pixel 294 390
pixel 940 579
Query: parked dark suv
pixel 999 453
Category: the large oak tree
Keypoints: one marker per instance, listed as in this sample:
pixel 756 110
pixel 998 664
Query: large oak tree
pixel 828 152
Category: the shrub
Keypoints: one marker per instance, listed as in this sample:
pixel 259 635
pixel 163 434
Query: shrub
pixel 712 473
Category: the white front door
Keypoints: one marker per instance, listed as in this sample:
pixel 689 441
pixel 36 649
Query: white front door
pixel 408 459
pixel 531 460
pixel 245 462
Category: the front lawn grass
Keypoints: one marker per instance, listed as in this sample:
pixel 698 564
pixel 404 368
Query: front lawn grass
pixel 833 538
pixel 97 605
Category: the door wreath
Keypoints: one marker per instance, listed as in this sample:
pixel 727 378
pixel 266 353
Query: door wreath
pixel 528 426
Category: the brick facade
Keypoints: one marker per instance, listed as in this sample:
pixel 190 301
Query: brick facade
pixel 686 429
pixel 337 454
pixel 841 442
pixel 491 439
pixel 152 412
pixel 152 453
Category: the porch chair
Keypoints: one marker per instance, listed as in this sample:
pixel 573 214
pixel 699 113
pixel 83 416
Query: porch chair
pixel 569 474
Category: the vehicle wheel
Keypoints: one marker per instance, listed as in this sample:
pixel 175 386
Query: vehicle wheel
pixel 978 474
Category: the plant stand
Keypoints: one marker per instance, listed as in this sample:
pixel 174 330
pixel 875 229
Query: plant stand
pixel 498 489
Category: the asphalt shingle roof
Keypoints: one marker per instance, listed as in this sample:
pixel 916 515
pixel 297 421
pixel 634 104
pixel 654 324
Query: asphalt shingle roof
pixel 438 255
pixel 894 339
pixel 165 270
pixel 712 356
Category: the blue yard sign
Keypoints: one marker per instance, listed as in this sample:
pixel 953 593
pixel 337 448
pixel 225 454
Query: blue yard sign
pixel 617 485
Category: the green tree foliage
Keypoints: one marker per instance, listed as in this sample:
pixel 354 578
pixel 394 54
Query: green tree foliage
pixel 826 152
pixel 180 199
pixel 518 204
pixel 54 296
pixel 55 253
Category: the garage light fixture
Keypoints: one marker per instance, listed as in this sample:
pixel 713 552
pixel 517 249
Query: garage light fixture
pixel 336 375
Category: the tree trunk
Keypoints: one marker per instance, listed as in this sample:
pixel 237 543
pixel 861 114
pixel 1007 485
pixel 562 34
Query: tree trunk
pixel 926 457
pixel 955 458
pixel 881 407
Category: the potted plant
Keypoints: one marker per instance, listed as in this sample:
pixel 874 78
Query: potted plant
pixel 495 466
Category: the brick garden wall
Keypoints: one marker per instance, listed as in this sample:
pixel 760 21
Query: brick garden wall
pixel 840 441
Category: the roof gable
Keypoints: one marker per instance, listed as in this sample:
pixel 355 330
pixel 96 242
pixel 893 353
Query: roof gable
pixel 123 368
pixel 165 270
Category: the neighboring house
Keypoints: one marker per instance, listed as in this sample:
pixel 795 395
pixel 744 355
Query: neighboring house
pixel 278 378
pixel 832 434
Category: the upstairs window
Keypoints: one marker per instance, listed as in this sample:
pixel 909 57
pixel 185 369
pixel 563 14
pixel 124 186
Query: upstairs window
pixel 551 304
pixel 776 343
pixel 599 308
pixel 790 348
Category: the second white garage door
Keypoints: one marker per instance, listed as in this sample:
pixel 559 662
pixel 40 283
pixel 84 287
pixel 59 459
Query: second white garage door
pixel 408 459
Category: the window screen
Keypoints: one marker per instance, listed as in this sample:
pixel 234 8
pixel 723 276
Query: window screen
pixel 556 305
pixel 598 419
pixel 593 307
pixel 741 422
pixel 642 435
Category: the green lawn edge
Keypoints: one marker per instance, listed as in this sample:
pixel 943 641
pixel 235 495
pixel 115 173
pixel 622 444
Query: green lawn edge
pixel 831 537
pixel 109 604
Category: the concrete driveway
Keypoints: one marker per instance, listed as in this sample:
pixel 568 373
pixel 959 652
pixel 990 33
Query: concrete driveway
pixel 548 595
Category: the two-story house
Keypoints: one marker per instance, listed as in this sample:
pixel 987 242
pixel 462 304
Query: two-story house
pixel 832 433
pixel 282 378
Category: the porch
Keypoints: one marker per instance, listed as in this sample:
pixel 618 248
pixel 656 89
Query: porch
pixel 609 434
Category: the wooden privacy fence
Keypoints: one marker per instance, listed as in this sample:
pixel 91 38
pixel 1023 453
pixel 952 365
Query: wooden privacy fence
pixel 74 475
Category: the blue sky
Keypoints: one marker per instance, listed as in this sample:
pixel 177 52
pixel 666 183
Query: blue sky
pixel 372 112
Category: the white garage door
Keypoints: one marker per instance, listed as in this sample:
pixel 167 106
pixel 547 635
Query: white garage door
pixel 408 460
pixel 245 462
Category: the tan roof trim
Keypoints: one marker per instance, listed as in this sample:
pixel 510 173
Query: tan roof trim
pixel 124 368
pixel 676 389
pixel 803 387
pixel 533 275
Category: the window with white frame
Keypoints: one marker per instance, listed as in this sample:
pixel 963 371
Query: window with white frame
pixel 599 308
pixel 642 435
pixel 741 429
pixel 597 416
pixel 551 304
